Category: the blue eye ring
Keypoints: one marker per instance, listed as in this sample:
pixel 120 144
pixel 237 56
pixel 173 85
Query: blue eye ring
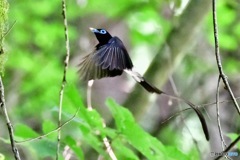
pixel 103 31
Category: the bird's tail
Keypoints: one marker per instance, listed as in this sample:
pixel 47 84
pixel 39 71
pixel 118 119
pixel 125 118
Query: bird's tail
pixel 150 88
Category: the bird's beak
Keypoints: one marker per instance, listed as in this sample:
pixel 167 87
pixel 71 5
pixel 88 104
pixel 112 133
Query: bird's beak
pixel 94 30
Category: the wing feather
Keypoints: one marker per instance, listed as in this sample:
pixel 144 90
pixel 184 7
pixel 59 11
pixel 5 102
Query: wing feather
pixel 108 60
pixel 113 55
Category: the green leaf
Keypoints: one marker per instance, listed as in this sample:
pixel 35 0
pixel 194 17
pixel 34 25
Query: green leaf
pixel 44 148
pixel 91 128
pixel 93 139
pixel 147 145
pixel 25 131
pixel 233 136
pixel 122 151
pixel 49 126
pixel 134 134
pixel 75 147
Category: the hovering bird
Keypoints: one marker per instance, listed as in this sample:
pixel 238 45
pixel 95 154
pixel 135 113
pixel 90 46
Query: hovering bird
pixel 110 58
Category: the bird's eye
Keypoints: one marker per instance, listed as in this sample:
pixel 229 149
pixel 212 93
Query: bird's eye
pixel 103 31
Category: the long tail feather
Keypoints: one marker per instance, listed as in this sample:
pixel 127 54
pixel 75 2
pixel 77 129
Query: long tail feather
pixel 152 89
pixel 149 87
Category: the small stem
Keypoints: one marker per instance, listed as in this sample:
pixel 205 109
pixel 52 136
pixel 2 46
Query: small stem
pixel 229 147
pixel 218 116
pixel 218 58
pixel 57 129
pixel 64 81
pixel 9 125
pixel 89 95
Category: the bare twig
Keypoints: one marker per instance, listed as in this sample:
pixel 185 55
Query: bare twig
pixel 212 103
pixel 9 124
pixel 174 115
pixel 218 58
pixel 6 33
pixel 199 106
pixel 109 148
pixel 89 90
pixel 66 61
pixel 218 116
pixel 183 120
pixel 105 139
pixel 108 145
pixel 57 129
pixel 229 148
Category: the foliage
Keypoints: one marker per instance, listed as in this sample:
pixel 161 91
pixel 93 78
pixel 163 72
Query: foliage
pixel 127 139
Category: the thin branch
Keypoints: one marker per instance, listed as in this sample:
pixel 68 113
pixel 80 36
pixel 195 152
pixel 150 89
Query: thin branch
pixel 174 115
pixel 109 148
pixel 218 115
pixel 183 120
pixel 45 135
pixel 105 139
pixel 218 58
pixel 9 124
pixel 108 145
pixel 89 90
pixel 212 103
pixel 6 33
pixel 229 148
pixel 66 61
pixel 199 106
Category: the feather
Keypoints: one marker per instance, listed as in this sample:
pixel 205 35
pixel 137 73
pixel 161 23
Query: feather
pixel 113 55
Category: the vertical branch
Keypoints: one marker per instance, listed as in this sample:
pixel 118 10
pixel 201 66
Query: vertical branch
pixel 89 95
pixel 218 58
pixel 218 115
pixel 105 139
pixel 9 125
pixel 183 120
pixel 66 61
pixel 3 19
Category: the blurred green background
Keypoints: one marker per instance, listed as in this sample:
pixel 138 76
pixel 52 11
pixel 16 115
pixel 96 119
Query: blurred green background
pixel 172 41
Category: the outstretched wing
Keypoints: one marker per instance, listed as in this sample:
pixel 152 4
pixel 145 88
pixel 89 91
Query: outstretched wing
pixel 89 70
pixel 108 60
pixel 113 55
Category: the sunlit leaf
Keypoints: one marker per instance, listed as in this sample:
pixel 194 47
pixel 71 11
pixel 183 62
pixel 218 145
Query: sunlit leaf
pixel 149 146
pixel 25 131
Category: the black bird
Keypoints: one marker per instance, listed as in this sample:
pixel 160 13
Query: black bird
pixel 110 58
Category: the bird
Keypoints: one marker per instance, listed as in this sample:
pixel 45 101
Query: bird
pixel 110 58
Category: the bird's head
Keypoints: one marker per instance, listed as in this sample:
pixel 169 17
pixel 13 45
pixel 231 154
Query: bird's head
pixel 102 35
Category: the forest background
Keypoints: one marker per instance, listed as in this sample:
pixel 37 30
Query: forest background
pixel 170 42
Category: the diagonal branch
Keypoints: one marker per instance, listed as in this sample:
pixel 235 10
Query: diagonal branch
pixel 229 148
pixel 218 58
pixel 53 131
